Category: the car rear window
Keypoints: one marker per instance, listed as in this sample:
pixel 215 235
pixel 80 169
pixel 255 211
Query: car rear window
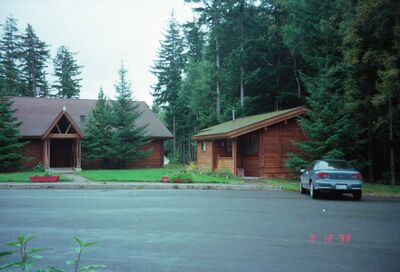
pixel 332 165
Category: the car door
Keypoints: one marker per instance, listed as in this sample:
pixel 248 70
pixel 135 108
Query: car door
pixel 305 177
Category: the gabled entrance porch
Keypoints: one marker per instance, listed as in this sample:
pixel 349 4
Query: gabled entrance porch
pixel 62 143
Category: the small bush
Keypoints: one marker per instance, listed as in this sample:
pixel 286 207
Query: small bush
pixel 223 173
pixel 192 167
pixel 182 177
pixel 39 168
pixel 295 163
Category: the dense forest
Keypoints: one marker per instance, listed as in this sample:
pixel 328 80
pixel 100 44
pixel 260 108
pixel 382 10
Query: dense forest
pixel 24 61
pixel 340 59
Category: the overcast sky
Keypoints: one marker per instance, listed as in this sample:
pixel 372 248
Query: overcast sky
pixel 102 32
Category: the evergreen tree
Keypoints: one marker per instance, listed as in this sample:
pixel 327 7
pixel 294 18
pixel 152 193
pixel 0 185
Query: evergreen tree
pixel 168 69
pixel 198 107
pixel 9 56
pixel 197 89
pixel 34 57
pixel 10 146
pixel 194 40
pixel 212 14
pixel 331 131
pixel 67 71
pixel 128 137
pixel 372 58
pixel 98 132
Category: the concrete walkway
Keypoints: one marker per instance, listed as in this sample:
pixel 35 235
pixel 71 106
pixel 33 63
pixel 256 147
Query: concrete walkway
pixel 78 182
pixel 76 178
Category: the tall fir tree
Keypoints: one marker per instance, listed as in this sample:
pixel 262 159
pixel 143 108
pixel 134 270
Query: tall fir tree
pixel 212 14
pixel 168 69
pixel 98 132
pixel 9 57
pixel 128 138
pixel 372 58
pixel 331 131
pixel 194 40
pixel 10 144
pixel 34 58
pixel 66 71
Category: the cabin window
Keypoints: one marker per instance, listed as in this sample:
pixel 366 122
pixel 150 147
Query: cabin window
pixel 228 147
pixel 203 146
pixel 249 144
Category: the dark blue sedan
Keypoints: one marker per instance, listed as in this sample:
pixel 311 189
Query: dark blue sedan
pixel 331 176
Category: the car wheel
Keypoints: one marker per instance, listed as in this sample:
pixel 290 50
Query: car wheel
pixel 302 190
pixel 357 195
pixel 313 192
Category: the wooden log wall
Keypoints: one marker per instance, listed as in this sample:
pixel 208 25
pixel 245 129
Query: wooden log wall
pixel 276 144
pixel 205 158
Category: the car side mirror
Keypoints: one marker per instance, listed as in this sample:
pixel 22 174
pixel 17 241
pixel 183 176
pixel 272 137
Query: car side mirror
pixel 302 171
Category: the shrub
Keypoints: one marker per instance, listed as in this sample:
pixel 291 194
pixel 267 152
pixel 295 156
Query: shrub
pixel 192 167
pixel 223 173
pixel 39 168
pixel 182 177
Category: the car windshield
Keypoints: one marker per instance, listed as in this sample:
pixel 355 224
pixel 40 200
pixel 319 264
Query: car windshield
pixel 333 165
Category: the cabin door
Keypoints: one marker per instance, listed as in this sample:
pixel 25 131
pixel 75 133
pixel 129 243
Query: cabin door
pixel 61 153
pixel 249 154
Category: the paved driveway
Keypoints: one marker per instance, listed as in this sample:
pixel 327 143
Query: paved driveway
pixel 176 230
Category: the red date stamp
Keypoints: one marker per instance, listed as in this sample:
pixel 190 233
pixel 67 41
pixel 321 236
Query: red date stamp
pixel 343 238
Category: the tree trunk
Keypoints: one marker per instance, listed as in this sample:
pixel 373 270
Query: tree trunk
pixel 392 162
pixel 174 140
pixel 218 91
pixel 371 177
pixel 241 85
pixel 241 54
pixel 296 76
pixel 278 82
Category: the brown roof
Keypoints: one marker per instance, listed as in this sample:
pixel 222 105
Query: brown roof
pixel 37 114
pixel 244 125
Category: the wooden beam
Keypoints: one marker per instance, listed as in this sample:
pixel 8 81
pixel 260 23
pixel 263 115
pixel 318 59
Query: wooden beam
pixel 234 155
pixel 63 136
pixel 78 153
pixel 55 122
pixel 213 160
pixel 58 128
pixel 66 132
pixel 260 152
pixel 46 158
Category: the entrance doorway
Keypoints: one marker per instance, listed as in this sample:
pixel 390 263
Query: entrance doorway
pixel 249 145
pixel 61 153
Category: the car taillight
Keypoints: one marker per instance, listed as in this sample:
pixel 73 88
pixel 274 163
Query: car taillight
pixel 323 175
pixel 356 176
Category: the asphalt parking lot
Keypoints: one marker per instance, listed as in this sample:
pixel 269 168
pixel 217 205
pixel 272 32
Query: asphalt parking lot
pixel 195 230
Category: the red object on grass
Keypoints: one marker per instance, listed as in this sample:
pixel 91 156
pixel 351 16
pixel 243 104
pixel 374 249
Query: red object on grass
pixel 165 179
pixel 44 178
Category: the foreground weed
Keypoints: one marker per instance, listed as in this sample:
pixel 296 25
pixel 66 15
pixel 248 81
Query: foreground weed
pixel 28 255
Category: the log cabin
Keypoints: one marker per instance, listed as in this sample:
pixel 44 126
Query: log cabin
pixel 54 129
pixel 253 146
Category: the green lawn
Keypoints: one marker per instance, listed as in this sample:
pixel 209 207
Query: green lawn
pixel 285 184
pixel 151 175
pixel 21 177
pixel 369 188
pixel 382 189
